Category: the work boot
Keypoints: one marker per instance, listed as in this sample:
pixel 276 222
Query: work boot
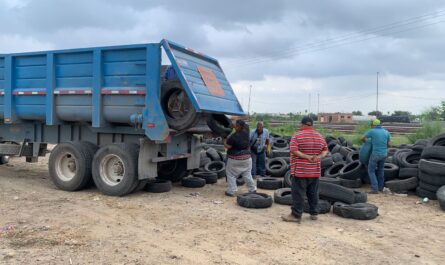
pixel 291 218
pixel 229 194
pixel 314 217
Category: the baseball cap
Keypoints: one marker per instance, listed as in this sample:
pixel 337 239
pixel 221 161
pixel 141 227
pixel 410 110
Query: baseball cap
pixel 376 122
pixel 307 121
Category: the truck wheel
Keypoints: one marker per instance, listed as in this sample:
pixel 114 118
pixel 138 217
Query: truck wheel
pixel 70 166
pixel 115 169
pixel 220 124
pixel 173 170
pixel 179 111
pixel 4 160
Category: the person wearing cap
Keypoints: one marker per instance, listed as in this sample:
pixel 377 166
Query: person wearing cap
pixel 239 161
pixel 380 141
pixel 307 148
pixel 259 141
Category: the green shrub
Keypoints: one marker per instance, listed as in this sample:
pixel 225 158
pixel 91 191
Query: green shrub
pixel 428 130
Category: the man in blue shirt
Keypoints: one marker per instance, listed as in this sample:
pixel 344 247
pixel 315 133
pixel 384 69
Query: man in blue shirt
pixel 380 141
pixel 259 141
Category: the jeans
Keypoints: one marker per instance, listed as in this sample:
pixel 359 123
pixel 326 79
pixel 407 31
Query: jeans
pixel 259 164
pixel 376 173
pixel 300 187
pixel 235 168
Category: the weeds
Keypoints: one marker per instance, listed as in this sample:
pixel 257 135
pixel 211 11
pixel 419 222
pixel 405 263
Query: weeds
pixel 428 130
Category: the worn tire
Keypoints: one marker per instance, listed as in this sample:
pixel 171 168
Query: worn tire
pixel 440 194
pixel 352 156
pixel 432 167
pixel 360 197
pixel 193 182
pixel 280 143
pixel 326 162
pixel 82 158
pixel 438 140
pixel 434 152
pixel 426 194
pixel 204 159
pixel 334 170
pixel 357 211
pixel 269 183
pixel 334 193
pixel 410 159
pixel 352 171
pixel 337 157
pixel 353 184
pixel 127 156
pixel 283 196
pixel 391 171
pixel 170 91
pixel 254 200
pixel 323 206
pixel 435 180
pixel 287 182
pixel 158 186
pixel 217 167
pixel 402 185
pixel 220 124
pixel 336 181
pixel 208 176
pixel 428 187
pixel 408 172
pixel 213 154
pixel 276 167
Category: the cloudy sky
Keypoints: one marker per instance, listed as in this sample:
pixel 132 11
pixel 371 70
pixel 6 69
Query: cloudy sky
pixel 292 53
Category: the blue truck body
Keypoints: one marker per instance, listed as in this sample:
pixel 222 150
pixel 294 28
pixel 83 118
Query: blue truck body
pixel 107 95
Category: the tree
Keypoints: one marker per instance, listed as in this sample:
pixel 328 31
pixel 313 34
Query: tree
pixel 435 113
pixel 375 113
pixel 357 113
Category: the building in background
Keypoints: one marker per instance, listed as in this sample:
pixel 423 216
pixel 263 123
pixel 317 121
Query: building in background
pixel 335 117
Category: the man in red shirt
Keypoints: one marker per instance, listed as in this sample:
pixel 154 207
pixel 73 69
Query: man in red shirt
pixel 307 148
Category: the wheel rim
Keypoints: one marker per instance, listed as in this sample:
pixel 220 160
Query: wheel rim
pixel 66 166
pixel 112 169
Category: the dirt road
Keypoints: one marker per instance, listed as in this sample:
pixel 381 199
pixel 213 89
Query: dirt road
pixel 42 225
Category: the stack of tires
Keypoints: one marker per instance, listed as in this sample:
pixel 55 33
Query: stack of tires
pixel 401 169
pixel 280 146
pixel 432 168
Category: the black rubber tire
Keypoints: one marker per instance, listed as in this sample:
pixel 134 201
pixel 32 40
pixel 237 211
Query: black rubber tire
pixel 280 143
pixel 83 162
pixel 425 194
pixel 398 155
pixel 190 119
pixel 287 182
pixel 402 185
pixel 220 124
pixel 280 153
pixel 408 172
pixel 217 167
pixel 208 176
pixel 391 171
pixel 276 167
pixel 336 181
pixel 204 159
pixel 438 140
pixel 352 171
pixel 128 155
pixel 254 200
pixel 193 182
pixel 323 206
pixel 334 170
pixel 326 162
pixel 434 152
pixel 269 183
pixel 330 138
pixel 432 167
pixel 334 193
pixel 410 159
pixel 428 187
pixel 337 157
pixel 341 139
pixel 213 154
pixel 440 194
pixel 353 184
pixel 158 186
pixel 336 149
pixel 357 211
pixel 222 156
pixel 431 179
pixel 360 196
pixel 344 151
pixel 283 196
pixel 352 156
pixel 173 170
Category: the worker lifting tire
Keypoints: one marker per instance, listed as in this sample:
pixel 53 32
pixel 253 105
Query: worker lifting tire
pixel 178 109
pixel 69 166
pixel 115 169
pixel 220 124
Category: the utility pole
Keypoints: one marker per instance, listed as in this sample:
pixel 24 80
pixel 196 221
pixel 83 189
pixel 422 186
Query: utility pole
pixel 318 103
pixel 309 103
pixel 377 98
pixel 248 106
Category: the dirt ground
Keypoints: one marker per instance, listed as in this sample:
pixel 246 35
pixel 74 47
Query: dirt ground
pixel 42 225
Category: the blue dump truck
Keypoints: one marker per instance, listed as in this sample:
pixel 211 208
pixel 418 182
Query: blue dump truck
pixel 118 115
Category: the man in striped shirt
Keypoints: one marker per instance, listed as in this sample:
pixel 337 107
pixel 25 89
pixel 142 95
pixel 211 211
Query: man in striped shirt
pixel 307 148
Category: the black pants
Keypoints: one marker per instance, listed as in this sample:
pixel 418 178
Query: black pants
pixel 300 188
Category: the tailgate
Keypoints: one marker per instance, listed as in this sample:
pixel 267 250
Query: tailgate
pixel 203 80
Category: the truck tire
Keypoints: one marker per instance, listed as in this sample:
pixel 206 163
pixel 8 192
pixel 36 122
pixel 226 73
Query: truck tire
pixel 352 156
pixel 269 183
pixel 287 182
pixel 408 172
pixel 204 159
pixel 426 194
pixel 217 167
pixel 323 206
pixel 193 182
pixel 353 184
pixel 432 167
pixel 280 143
pixel 115 169
pixel 326 162
pixel 440 194
pixel 434 152
pixel 402 185
pixel 213 154
pixel 352 171
pixel 209 177
pixel 410 159
pixel 220 124
pixel 283 196
pixel 158 186
pixel 335 193
pixel 358 211
pixel 178 109
pixel 391 171
pixel 254 200
pixel 276 167
pixel 334 170
pixel 336 181
pixel 428 187
pixel 69 166
pixel 337 157
pixel 173 170
pixel 438 140
pixel 360 196
pixel 432 179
